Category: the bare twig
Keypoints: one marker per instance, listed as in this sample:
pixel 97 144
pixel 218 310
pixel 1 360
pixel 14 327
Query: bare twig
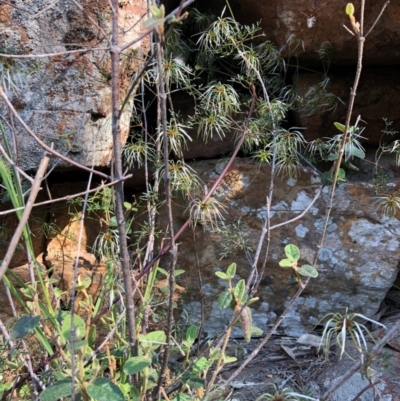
pixel 115 52
pixel 377 18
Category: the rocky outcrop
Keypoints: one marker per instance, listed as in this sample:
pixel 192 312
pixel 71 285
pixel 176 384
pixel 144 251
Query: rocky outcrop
pixel 357 264
pixel 376 96
pixel 312 23
pixel 66 98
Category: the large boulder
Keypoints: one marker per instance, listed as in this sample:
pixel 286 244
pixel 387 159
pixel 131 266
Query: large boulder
pixel 377 94
pixel 66 98
pixel 358 262
pixel 313 23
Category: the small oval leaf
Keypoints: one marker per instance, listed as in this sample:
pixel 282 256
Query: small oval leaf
pixel 286 263
pixel 136 364
pixel 339 126
pixel 225 300
pixel 222 275
pixel 191 333
pixel 102 389
pixel 308 271
pixel 231 270
pixel 292 252
pixel 239 290
pixel 60 389
pixel 79 327
pixel 24 325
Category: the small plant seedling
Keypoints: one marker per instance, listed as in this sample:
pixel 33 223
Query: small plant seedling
pixel 340 326
pixel 235 297
pixel 293 255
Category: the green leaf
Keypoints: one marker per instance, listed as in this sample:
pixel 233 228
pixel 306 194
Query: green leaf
pixel 229 359
pixel 349 9
pixel 225 300
pixel 195 382
pixel 158 12
pixel 292 252
pixel 79 327
pixel 308 271
pixel 286 263
pixel 153 340
pixel 231 270
pixel 201 365
pixel 135 394
pixel 256 331
pixel 326 178
pixel 24 325
pixel 191 334
pixel 78 345
pixel 178 272
pixel 151 22
pixel 182 397
pixel 252 300
pixel 332 157
pixel 60 389
pixel 355 152
pixel 341 175
pixel 102 389
pixel 83 284
pixel 113 222
pixel 222 275
pixel 339 126
pixel 136 364
pixel 240 290
pixel 162 271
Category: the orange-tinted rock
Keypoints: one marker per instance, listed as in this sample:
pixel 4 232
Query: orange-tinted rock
pixel 316 22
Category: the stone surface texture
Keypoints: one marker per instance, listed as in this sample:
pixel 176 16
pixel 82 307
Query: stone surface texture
pixel 313 23
pixel 358 262
pixel 66 98
pixel 376 99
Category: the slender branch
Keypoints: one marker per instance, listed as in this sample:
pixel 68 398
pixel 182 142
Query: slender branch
pixel 119 187
pixel 301 214
pixel 25 215
pixel 378 18
pixel 168 198
pixel 44 145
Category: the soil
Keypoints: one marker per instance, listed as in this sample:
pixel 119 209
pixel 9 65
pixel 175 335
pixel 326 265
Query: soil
pixel 284 363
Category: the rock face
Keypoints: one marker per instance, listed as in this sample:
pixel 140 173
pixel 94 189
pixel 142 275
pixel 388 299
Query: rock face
pixel 66 98
pixel 377 93
pixel 314 23
pixel 357 263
